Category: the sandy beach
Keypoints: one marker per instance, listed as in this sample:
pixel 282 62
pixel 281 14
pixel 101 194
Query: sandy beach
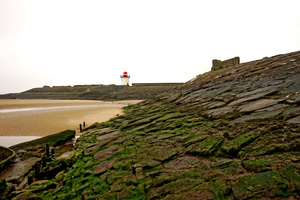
pixel 45 117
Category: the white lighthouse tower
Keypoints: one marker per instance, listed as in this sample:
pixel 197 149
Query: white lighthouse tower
pixel 125 79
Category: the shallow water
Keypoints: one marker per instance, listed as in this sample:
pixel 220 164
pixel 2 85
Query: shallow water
pixel 53 108
pixel 8 141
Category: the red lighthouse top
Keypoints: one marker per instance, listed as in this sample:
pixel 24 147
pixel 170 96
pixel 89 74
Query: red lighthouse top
pixel 125 75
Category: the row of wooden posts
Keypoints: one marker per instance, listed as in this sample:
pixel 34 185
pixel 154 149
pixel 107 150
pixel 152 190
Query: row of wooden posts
pixel 44 162
pixel 45 157
pixel 80 126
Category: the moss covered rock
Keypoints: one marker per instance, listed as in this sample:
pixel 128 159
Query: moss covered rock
pixel 266 184
pixel 291 173
pixel 208 146
pixel 257 165
pixel 40 186
pixel 3 185
pixel 28 195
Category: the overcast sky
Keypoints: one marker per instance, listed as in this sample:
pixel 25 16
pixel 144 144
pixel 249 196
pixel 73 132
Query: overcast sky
pixel 69 42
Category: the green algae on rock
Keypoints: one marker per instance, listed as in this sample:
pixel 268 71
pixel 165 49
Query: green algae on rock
pixel 266 184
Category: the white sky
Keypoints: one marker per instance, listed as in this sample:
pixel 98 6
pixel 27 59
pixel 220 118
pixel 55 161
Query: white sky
pixel 69 42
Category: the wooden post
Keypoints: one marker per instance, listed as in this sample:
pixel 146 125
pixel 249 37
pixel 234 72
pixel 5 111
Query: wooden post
pixel 80 127
pixel 44 161
pixel 83 124
pixel 52 151
pixel 47 150
pixel 29 179
pixel 37 170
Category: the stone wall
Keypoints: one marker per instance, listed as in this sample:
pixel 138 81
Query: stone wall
pixel 118 92
pixel 6 157
pixel 218 64
pixel 156 84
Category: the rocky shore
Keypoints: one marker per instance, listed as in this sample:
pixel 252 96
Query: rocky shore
pixel 229 134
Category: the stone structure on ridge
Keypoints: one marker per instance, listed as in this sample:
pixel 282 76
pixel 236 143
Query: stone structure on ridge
pixel 218 64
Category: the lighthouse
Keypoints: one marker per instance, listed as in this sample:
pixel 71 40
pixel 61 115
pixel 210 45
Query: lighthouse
pixel 125 79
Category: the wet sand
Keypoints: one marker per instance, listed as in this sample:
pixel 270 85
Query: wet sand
pixel 45 117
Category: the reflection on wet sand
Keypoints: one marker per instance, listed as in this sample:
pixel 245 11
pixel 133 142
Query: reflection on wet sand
pixel 45 117
pixel 12 140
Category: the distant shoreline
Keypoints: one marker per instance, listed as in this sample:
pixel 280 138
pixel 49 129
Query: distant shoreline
pixel 95 92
